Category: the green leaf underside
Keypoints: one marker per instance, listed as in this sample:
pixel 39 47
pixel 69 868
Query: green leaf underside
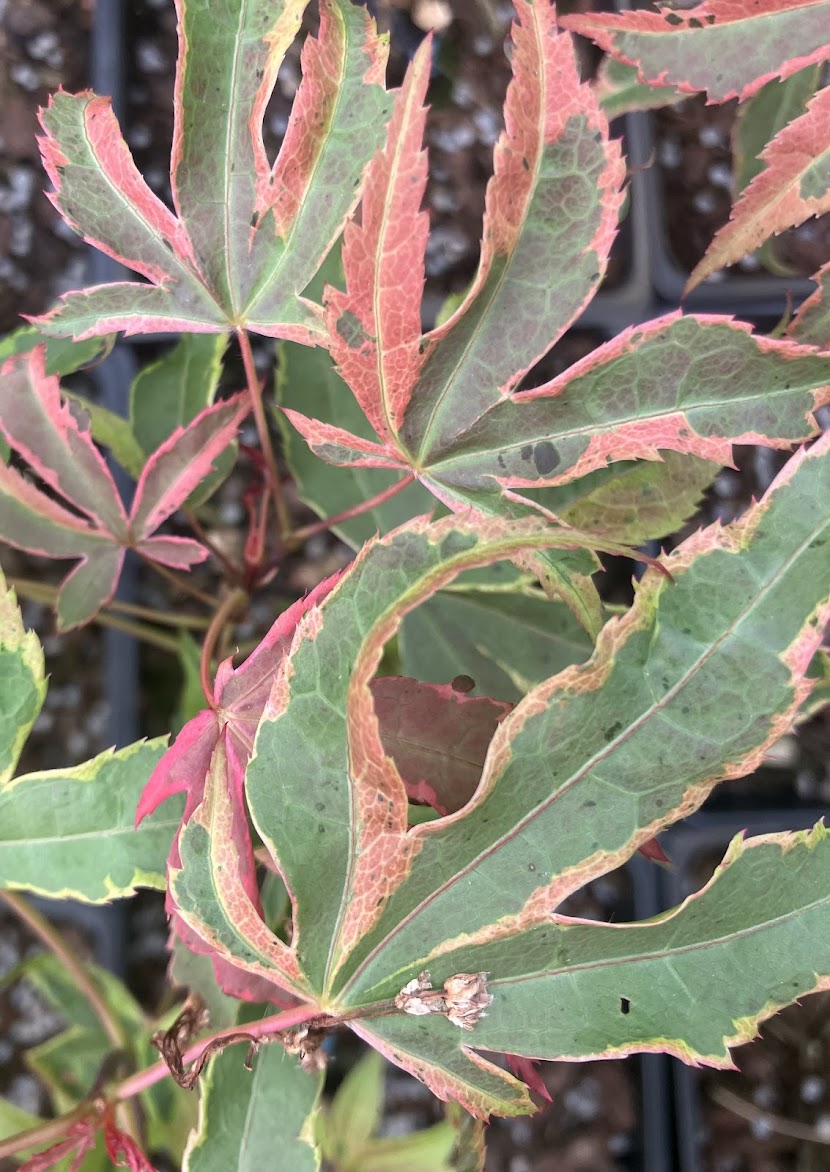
pixel 112 431
pixel 22 682
pixel 633 502
pixel 171 391
pixel 246 238
pixel 726 48
pixel 249 1121
pixel 589 766
pixel 506 643
pixel 691 982
pixel 69 833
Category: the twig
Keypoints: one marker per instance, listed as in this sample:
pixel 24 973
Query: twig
pixel 234 572
pixel 43 1133
pixel 276 1024
pixel 779 1123
pixel 53 940
pixel 43 592
pixel 224 612
pixel 300 535
pixel 255 391
pixel 49 935
pixel 182 584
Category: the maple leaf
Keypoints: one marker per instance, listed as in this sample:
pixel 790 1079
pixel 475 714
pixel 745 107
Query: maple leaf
pixel 83 517
pixel 812 322
pixel 246 237
pixel 794 185
pixel 586 768
pixel 437 737
pixel 727 48
pixel 444 406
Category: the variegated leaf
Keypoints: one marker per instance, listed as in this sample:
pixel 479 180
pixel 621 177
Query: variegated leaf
pixel 726 48
pixel 246 237
pixel 794 185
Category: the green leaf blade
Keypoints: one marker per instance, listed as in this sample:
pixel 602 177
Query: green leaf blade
pixel 552 206
pixel 605 755
pixel 69 833
pixel 247 1119
pixel 22 682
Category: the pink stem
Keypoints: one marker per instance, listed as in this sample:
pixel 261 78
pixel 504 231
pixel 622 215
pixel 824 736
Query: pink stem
pixel 355 511
pixel 137 1083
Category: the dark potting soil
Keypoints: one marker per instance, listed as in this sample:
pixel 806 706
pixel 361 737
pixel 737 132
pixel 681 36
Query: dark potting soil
pixel 694 159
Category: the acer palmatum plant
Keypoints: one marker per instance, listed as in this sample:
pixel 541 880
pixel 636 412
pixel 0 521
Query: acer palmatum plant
pixel 383 854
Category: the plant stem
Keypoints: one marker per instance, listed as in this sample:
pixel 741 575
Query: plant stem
pixel 141 632
pixel 182 584
pixel 43 1133
pixel 224 612
pixel 255 392
pixel 234 572
pixel 275 1024
pixel 779 1123
pixel 300 535
pixel 44 593
pixel 51 937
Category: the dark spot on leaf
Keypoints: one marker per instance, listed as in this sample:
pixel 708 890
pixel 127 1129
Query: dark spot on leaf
pixel 379 798
pixel 545 457
pixel 695 23
pixel 319 806
pixel 525 164
pixel 501 461
pixel 260 73
pixel 625 1005
pixel 526 452
pixel 350 330
pixel 463 684
pixel 588 805
pixel 611 732
pixel 254 219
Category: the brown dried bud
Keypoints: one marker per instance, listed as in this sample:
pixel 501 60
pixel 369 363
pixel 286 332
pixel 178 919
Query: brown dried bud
pixel 307 1042
pixel 466 998
pixel 418 997
pixel 463 999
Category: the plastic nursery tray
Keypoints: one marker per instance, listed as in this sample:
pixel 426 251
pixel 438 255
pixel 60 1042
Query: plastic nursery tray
pixel 685 845
pixel 745 296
